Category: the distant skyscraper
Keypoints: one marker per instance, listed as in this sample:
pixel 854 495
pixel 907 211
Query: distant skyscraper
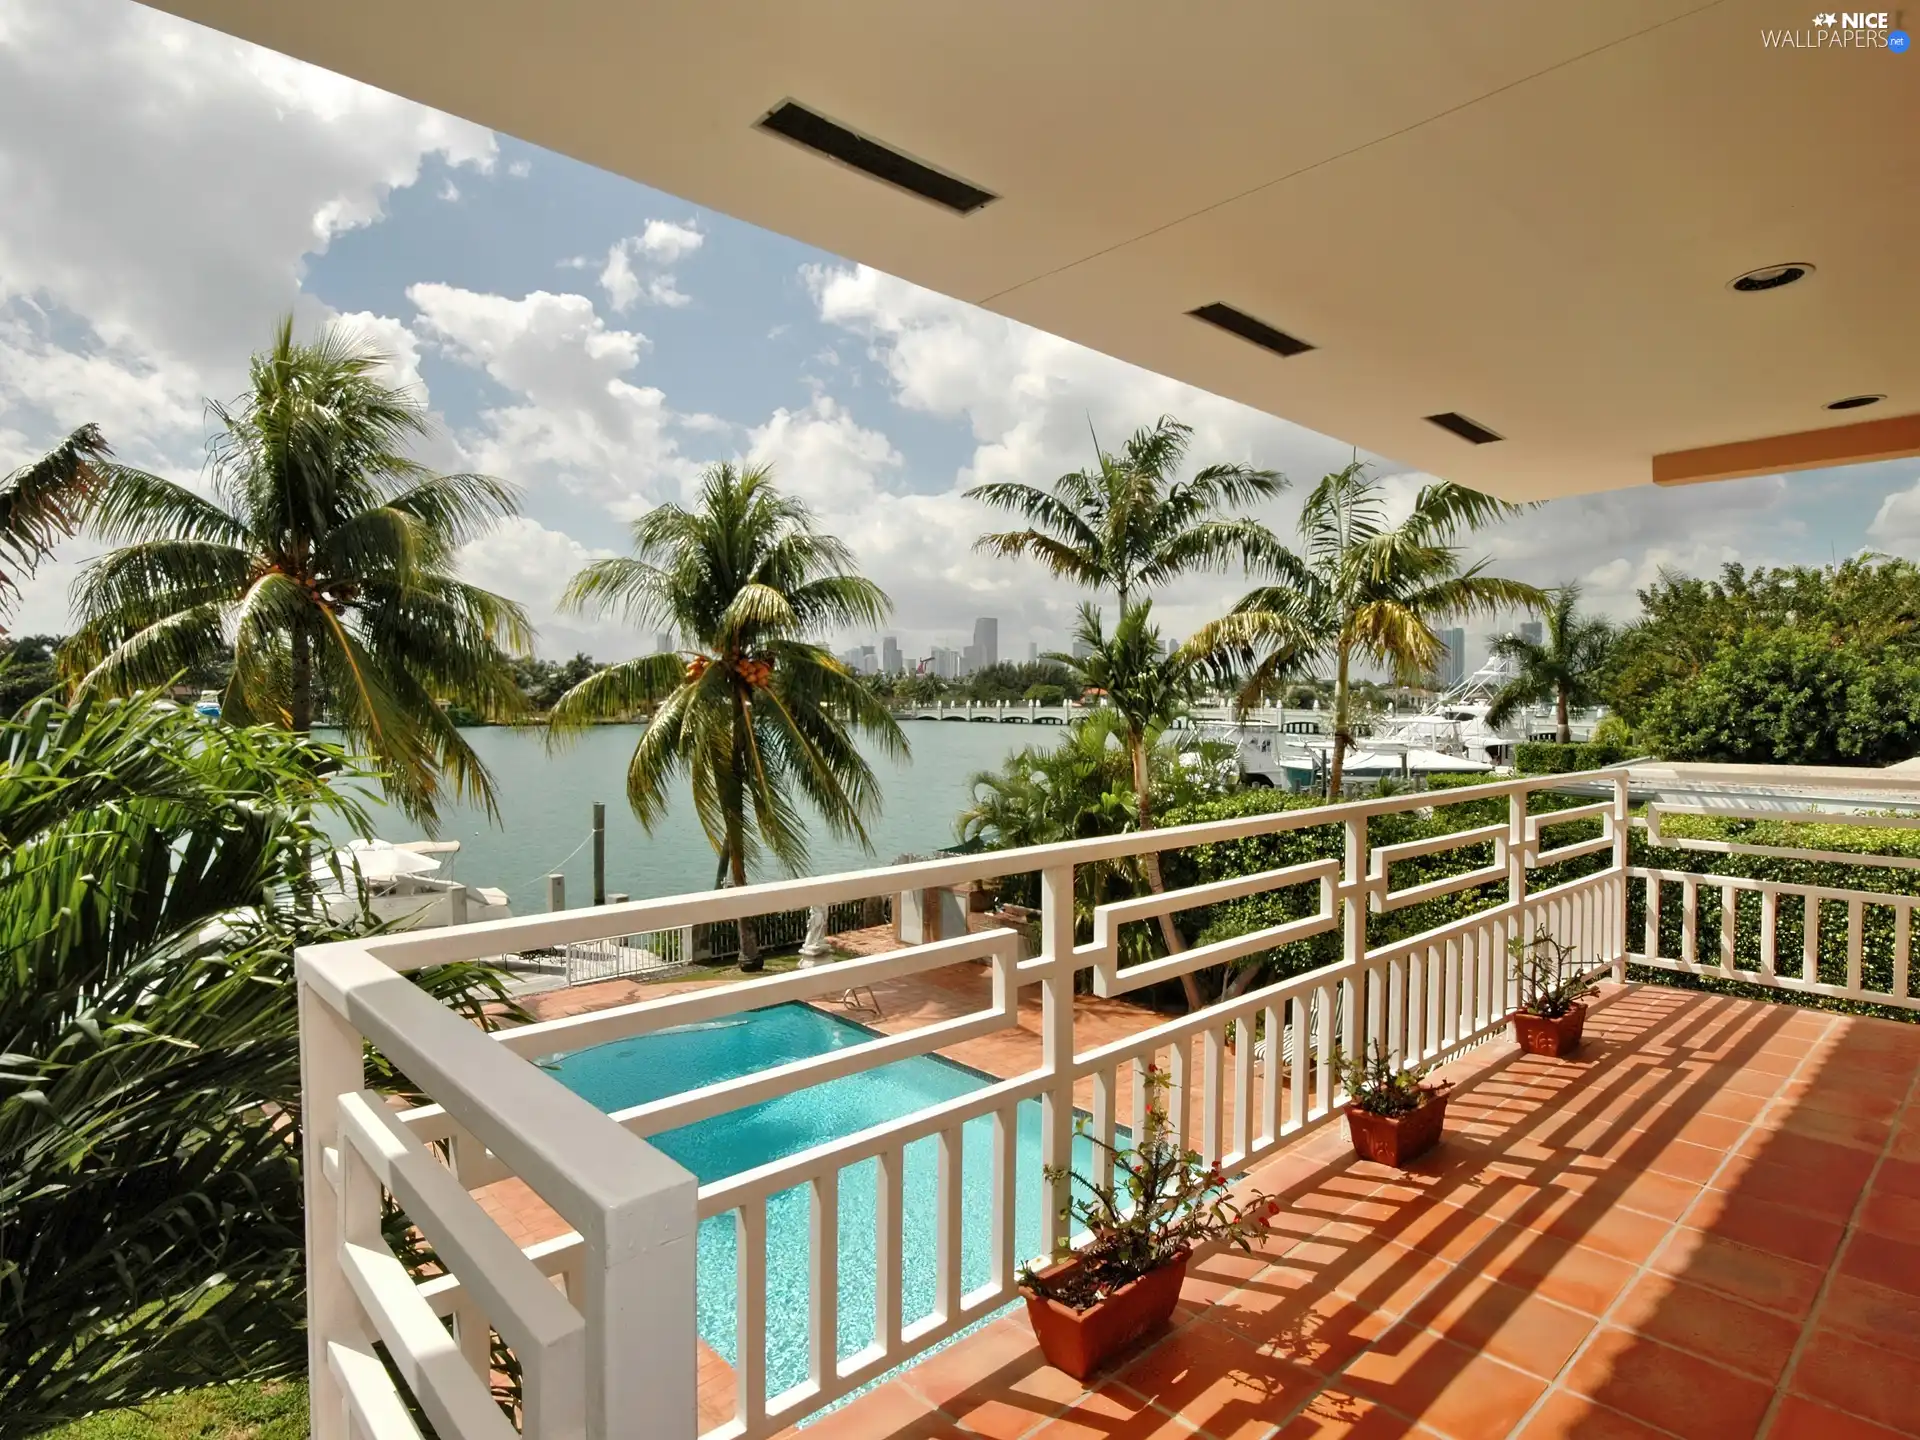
pixel 1533 632
pixel 890 656
pixel 945 663
pixel 662 642
pixel 1033 651
pixel 986 641
pixel 969 659
pixel 1081 649
pixel 1452 668
pixel 869 663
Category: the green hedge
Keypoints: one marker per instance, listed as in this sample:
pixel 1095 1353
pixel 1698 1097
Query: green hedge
pixel 1547 757
pixel 1255 853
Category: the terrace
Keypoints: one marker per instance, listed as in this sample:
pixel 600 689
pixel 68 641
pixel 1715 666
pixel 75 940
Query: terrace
pixel 1700 1225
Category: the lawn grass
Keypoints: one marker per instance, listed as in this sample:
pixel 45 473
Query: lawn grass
pixel 247 1410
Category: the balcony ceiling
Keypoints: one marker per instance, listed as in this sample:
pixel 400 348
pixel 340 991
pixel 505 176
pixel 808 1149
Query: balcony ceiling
pixel 1524 213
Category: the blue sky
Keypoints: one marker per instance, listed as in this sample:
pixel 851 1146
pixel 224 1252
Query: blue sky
pixel 596 342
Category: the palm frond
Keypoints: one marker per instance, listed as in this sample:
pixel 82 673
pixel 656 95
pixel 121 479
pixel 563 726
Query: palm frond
pixel 46 501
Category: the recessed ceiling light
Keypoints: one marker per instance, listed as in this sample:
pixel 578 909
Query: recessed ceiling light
pixel 826 137
pixel 1471 431
pixel 1238 322
pixel 1770 277
pixel 1855 402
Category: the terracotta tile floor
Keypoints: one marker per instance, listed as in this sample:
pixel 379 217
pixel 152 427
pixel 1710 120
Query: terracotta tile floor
pixel 1706 1225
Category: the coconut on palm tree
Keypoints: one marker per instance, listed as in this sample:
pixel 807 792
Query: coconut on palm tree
pixel 44 502
pixel 757 716
pixel 325 557
pixel 1564 668
pixel 1362 591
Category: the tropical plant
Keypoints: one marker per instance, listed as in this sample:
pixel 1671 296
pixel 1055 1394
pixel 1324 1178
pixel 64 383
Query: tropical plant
pixel 1126 524
pixel 1160 1202
pixel 154 879
pixel 1548 972
pixel 1132 672
pixel 756 714
pixel 1361 590
pixel 326 557
pixel 1566 667
pixel 1074 789
pixel 1376 1085
pixel 46 501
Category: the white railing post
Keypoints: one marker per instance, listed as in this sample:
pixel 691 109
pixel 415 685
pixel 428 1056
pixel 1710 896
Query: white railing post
pixel 638 1297
pixel 1353 880
pixel 1517 852
pixel 332 1064
pixel 1056 1027
pixel 1618 930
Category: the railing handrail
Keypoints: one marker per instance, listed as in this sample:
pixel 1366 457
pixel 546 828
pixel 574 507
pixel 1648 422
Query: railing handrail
pixel 421 948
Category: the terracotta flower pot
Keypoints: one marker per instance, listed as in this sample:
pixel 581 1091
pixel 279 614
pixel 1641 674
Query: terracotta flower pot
pixel 1396 1139
pixel 1540 1036
pixel 1081 1341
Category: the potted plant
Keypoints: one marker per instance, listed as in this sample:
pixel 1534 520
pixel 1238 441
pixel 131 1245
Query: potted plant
pixel 1392 1114
pixel 1550 1018
pixel 1144 1222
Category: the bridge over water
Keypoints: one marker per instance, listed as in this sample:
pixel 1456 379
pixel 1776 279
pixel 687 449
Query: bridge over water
pixel 1033 712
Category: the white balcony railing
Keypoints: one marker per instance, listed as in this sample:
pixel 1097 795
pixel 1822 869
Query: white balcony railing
pixel 602 1319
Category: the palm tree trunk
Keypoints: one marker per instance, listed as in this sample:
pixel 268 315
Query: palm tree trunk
pixel 302 680
pixel 1563 725
pixel 1150 862
pixel 1342 706
pixel 750 960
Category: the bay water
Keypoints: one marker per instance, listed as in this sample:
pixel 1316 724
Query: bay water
pixel 546 812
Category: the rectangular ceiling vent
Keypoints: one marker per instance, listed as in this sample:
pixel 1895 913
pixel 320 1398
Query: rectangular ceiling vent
pixel 1471 431
pixel 1238 322
pixel 823 137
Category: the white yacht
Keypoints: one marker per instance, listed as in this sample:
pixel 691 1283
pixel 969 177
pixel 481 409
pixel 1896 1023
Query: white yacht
pixel 1451 736
pixel 403 888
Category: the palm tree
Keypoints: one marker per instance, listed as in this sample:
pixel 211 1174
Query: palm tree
pixel 45 502
pixel 1126 524
pixel 1361 589
pixel 326 558
pixel 753 710
pixel 1566 668
pixel 1147 687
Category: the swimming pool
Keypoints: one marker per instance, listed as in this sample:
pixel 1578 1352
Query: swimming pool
pixel 668 1062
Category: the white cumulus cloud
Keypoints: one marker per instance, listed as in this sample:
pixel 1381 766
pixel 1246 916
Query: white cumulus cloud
pixel 657 247
pixel 573 418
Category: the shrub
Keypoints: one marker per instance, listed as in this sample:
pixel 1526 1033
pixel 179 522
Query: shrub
pixel 1163 1202
pixel 1549 757
pixel 1612 730
pixel 154 879
pixel 1377 1085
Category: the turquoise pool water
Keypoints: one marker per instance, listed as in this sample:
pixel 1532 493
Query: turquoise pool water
pixel 650 1067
